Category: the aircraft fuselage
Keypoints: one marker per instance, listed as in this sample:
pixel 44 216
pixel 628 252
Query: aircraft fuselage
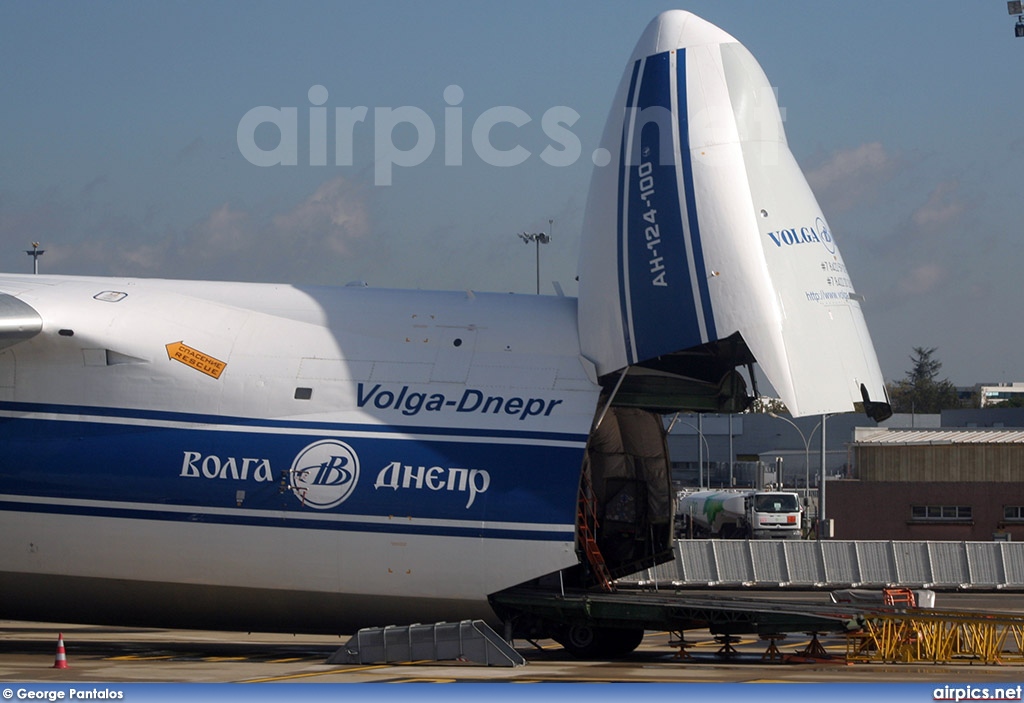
pixel 254 448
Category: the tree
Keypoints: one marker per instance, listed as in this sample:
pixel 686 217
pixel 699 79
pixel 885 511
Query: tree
pixel 765 404
pixel 920 392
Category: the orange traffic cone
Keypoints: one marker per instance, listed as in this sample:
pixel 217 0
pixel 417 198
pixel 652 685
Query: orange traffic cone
pixel 61 662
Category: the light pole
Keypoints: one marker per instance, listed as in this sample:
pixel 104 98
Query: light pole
pixel 807 464
pixel 821 488
pixel 35 252
pixel 807 451
pixel 701 445
pixel 538 238
pixel 732 455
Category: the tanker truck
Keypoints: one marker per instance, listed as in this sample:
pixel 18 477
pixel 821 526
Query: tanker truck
pixel 747 514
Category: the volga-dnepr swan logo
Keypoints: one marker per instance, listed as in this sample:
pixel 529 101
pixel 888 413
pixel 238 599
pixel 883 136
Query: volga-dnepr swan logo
pixel 324 474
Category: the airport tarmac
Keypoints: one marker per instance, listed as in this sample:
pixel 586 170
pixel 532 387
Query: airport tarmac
pixel 145 655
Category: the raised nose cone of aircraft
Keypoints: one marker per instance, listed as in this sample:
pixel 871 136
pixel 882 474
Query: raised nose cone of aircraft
pixel 700 219
pixel 678 29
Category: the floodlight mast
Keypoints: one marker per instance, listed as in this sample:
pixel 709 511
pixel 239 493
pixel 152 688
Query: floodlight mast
pixel 35 252
pixel 1016 7
pixel 538 238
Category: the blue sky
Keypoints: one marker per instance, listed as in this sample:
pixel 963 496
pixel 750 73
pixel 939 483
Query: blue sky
pixel 121 155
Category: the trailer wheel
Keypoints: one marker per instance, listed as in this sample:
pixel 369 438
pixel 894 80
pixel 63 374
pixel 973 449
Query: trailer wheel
pixel 581 641
pixel 620 642
pixel 589 642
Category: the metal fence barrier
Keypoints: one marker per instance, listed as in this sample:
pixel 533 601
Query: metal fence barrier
pixel 981 566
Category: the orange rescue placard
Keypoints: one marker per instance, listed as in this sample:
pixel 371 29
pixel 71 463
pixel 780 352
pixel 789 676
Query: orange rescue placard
pixel 204 363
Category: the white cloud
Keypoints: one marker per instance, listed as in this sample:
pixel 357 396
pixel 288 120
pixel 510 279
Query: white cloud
pixel 334 217
pixel 848 178
pixel 923 279
pixel 842 166
pixel 226 230
pixel 304 244
pixel 943 207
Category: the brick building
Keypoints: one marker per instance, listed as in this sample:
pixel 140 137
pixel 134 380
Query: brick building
pixel 941 484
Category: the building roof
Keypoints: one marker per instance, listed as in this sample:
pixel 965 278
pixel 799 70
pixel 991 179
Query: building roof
pixel 940 436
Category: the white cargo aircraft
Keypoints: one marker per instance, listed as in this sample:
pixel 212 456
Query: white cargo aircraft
pixel 276 457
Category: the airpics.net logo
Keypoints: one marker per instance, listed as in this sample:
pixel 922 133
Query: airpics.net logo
pixel 392 125
pixel 564 147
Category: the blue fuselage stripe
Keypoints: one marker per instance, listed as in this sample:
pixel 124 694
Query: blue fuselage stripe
pixel 658 289
pixel 289 522
pixel 328 476
pixel 72 411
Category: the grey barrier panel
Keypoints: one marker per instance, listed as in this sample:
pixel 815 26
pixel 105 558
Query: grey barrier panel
pixel 949 564
pixel 733 559
pixel 768 561
pixel 696 562
pixel 1012 555
pixel 840 564
pixel 806 565
pixel 671 572
pixel 875 563
pixel 664 574
pixel 984 565
pixel 913 567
